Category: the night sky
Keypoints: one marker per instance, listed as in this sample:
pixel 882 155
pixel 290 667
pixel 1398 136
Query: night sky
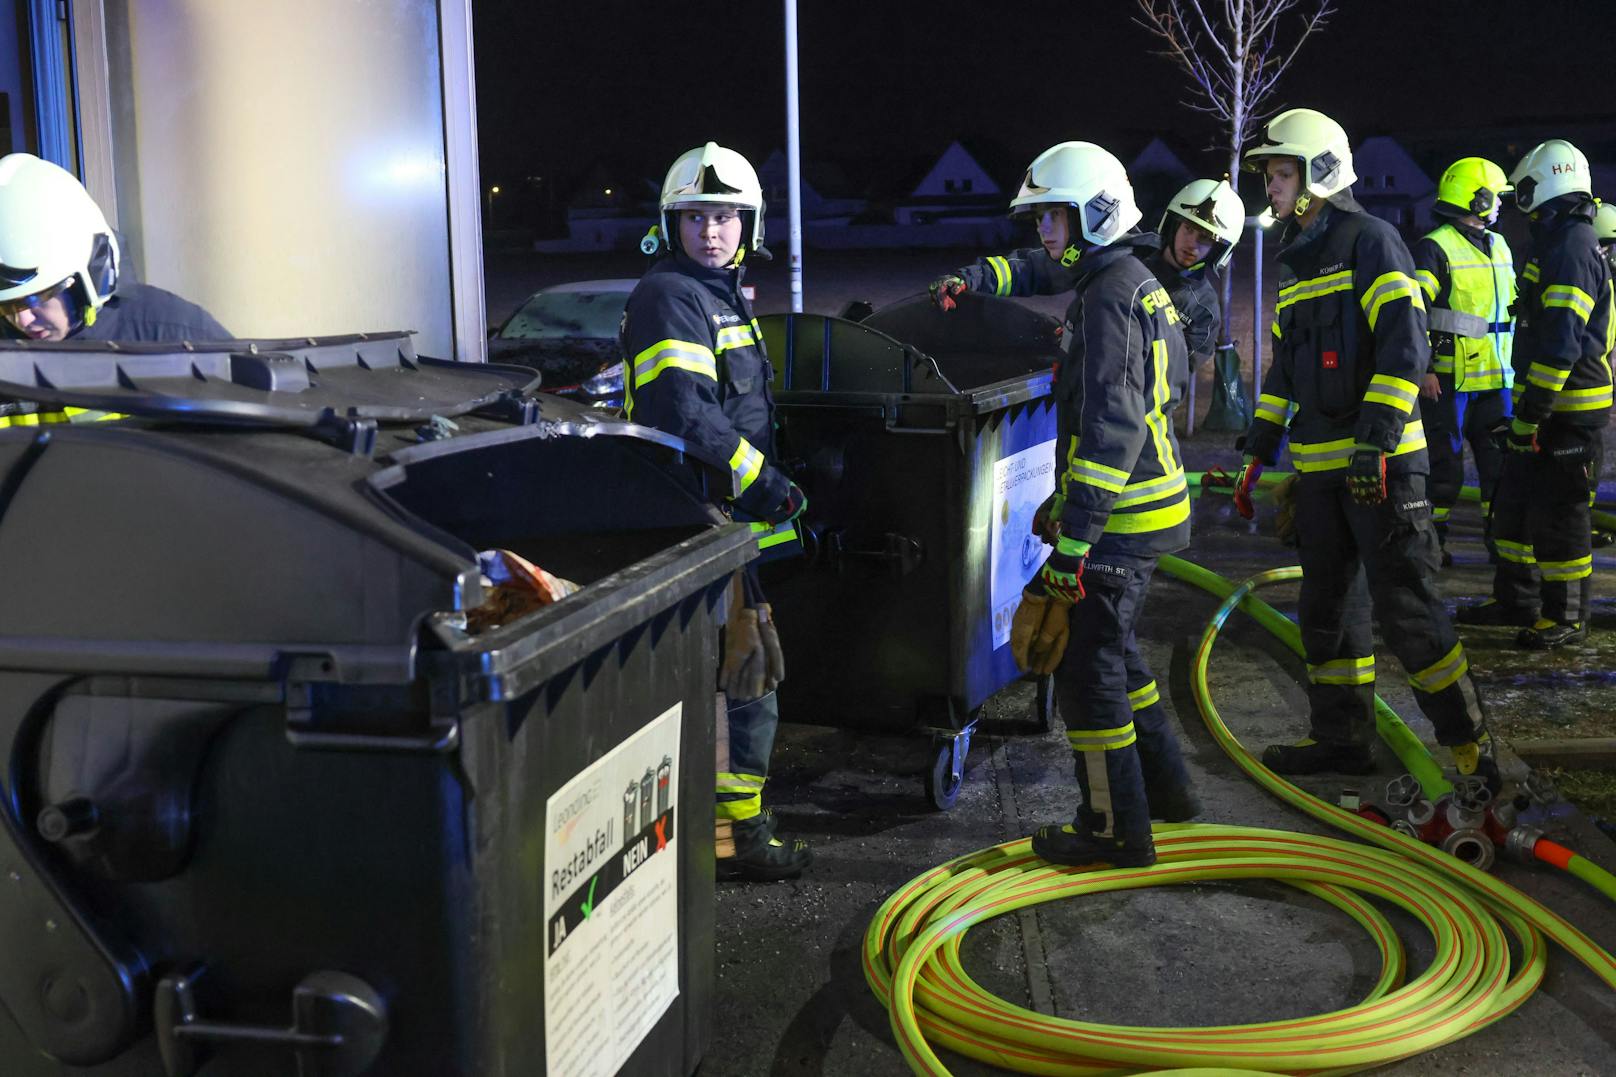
pixel 883 83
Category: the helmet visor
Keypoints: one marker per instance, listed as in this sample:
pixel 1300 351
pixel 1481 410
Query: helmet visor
pixel 11 308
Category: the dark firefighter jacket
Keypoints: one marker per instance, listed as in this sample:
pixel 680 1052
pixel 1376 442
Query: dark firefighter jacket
pixel 1562 350
pixel 1196 301
pixel 1350 348
pixel 1123 487
pixel 694 366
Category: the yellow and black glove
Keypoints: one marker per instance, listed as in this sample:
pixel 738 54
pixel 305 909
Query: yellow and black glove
pixel 1366 475
pixel 1039 632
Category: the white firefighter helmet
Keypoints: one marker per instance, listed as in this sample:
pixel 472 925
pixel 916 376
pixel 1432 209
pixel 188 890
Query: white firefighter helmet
pixel 1087 178
pixel 1315 140
pixel 1213 205
pixel 1552 169
pixel 712 175
pixel 52 233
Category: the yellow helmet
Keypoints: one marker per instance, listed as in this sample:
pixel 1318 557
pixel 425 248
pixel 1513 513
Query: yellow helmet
pixel 1473 185
pixel 1605 223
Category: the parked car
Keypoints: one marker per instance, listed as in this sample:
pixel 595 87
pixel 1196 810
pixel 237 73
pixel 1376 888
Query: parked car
pixel 568 333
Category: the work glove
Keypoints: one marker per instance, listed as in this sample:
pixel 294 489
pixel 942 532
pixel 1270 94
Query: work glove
pixel 1284 496
pixel 774 668
pixel 944 289
pixel 1366 475
pixel 793 506
pixel 1521 437
pixel 744 671
pixel 1046 521
pixel 1250 472
pixel 1062 574
pixel 1039 632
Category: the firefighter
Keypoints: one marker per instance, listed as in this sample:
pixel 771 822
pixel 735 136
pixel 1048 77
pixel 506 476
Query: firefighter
pixel 1468 276
pixel 1121 499
pixel 1605 231
pixel 1199 230
pixel 1350 349
pixel 695 367
pixel 59 268
pixel 1562 392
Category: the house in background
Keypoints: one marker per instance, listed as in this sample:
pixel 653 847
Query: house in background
pixel 1392 185
pixel 610 209
pixel 823 207
pixel 1157 172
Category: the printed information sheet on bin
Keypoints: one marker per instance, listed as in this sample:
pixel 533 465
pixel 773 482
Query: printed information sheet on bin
pixel 611 906
pixel 1021 482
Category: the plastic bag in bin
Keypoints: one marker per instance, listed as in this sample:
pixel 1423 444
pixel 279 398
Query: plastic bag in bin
pixel 514 587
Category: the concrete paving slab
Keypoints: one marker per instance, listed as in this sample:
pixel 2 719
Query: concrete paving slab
pixel 791 994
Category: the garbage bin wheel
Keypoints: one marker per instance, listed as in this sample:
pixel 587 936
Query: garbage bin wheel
pixel 1044 704
pixel 942 787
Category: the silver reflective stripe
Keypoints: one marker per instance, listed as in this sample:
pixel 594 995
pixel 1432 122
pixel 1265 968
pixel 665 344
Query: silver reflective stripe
pixel 1457 322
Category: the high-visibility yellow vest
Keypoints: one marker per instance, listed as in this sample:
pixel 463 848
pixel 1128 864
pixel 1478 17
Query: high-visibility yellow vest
pixel 1481 288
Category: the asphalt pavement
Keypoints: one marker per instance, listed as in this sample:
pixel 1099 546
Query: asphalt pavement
pixel 792 999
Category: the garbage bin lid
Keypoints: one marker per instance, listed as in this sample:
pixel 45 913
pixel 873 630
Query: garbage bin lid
pixel 278 383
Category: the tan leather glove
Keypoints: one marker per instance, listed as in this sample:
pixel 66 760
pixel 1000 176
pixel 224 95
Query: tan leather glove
pixel 1039 633
pixel 775 658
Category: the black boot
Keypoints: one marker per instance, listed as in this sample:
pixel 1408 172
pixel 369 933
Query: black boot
pixel 1493 612
pixel 1172 803
pixel 1314 757
pixel 1074 845
pixel 754 854
pixel 1546 635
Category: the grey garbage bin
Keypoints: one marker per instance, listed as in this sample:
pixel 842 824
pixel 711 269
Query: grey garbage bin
pixel 924 442
pixel 270 807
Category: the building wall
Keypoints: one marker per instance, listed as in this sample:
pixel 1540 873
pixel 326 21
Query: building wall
pixel 283 163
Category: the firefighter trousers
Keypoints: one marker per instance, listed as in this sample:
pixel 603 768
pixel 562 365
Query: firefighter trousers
pixel 1380 560
pixel 1452 421
pixel 1114 719
pixel 1541 520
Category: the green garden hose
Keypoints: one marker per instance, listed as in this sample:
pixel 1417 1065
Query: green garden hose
pixel 912 948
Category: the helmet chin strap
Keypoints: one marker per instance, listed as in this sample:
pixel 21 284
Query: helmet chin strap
pixel 1071 254
pixel 1303 201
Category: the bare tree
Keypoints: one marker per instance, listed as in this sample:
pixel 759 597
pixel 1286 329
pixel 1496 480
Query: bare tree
pixel 1234 52
pixel 1233 57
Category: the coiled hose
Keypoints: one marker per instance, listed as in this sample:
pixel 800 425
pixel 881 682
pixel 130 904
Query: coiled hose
pixel 911 953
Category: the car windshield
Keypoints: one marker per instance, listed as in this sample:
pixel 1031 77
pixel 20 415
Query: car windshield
pixel 568 315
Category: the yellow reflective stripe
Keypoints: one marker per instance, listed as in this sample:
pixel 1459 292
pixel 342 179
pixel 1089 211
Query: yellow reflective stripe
pixel 676 355
pixel 1137 493
pixel 768 534
pixel 1136 523
pixel 65 415
pixel 1518 552
pixel 1387 287
pixel 732 782
pixel 1001 274
pixel 1531 273
pixel 1276 409
pixel 1101 740
pixel 1443 672
pixel 1394 392
pixel 1144 696
pixel 747 463
pixel 735 336
pixel 1440 513
pixel 1313 288
pixel 1583 399
pixel 1442 364
pixel 1427 281
pixel 1343 671
pixel 1563 571
pixel 1571 298
pixel 1156 418
pixel 1547 377
pixel 1329 455
pixel 1095 474
pixel 745 808
pixel 741 795
pixel 1275 327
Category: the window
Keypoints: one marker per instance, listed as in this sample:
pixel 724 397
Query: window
pixel 1389 182
pixel 965 185
pixel 948 185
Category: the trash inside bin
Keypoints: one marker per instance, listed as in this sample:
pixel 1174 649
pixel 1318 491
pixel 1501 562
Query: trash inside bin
pixel 925 441
pixel 271 806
